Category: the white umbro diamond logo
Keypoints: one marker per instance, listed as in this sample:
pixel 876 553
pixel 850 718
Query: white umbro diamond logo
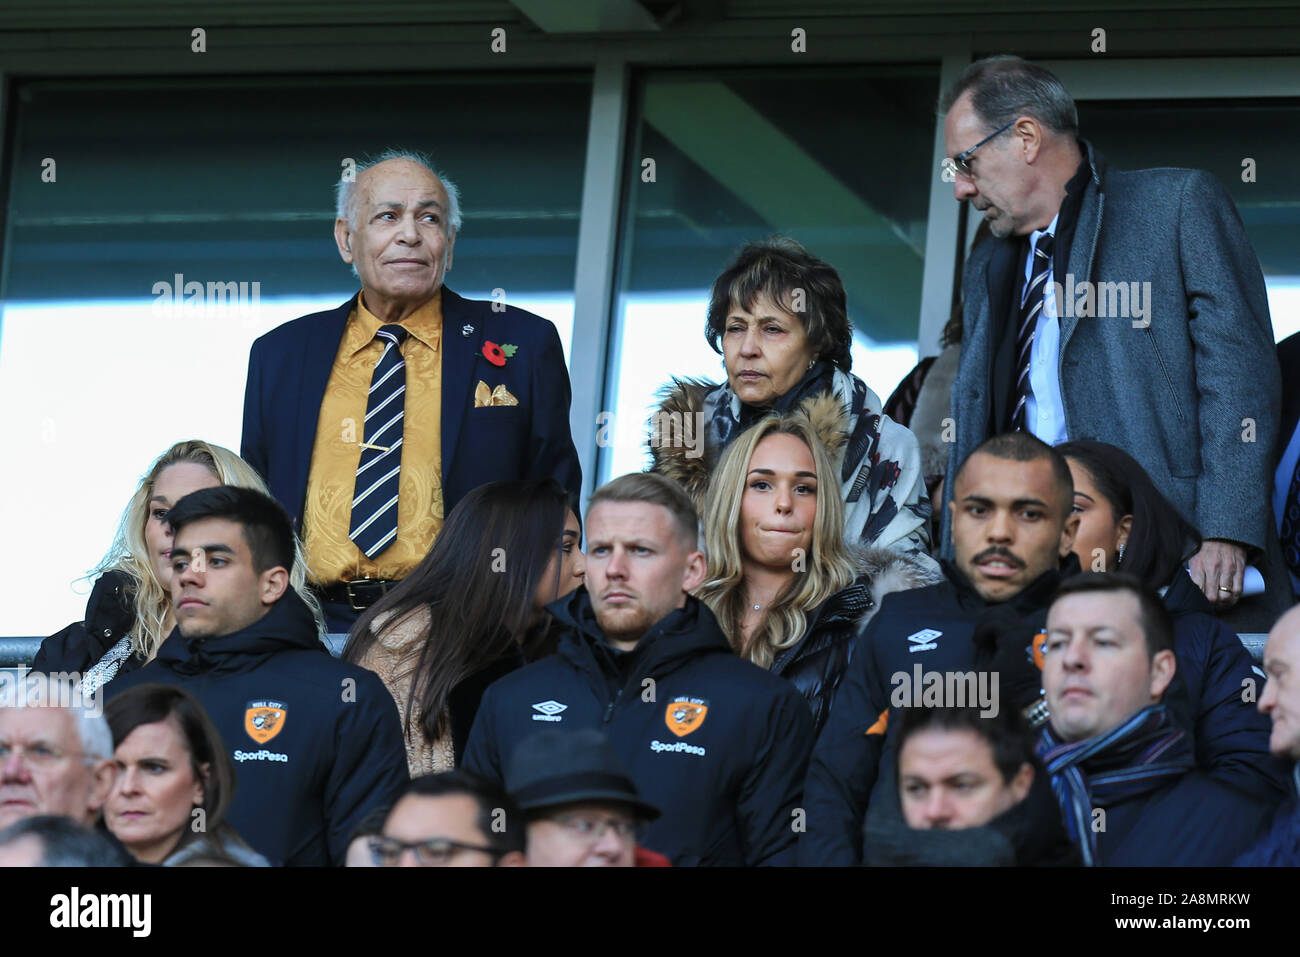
pixel 923 640
pixel 550 710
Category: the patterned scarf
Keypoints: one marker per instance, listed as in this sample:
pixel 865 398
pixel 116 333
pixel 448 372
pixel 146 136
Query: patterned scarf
pixel 1144 753
pixel 726 417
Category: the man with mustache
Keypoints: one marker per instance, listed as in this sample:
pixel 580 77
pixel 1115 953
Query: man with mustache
pixel 1012 533
pixel 716 743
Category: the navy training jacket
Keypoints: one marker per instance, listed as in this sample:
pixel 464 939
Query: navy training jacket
pixel 719 745
pixel 316 742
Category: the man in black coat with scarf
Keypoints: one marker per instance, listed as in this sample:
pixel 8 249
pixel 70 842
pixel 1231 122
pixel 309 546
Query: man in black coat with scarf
pixel 1123 771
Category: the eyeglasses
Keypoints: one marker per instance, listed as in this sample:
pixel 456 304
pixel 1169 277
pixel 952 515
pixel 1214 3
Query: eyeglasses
pixel 961 162
pixel 591 827
pixel 436 852
pixel 38 755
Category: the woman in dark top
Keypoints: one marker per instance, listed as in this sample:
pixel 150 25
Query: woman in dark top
pixel 471 611
pixel 788 593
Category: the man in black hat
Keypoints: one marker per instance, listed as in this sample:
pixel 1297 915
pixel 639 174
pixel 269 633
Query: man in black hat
pixel 582 808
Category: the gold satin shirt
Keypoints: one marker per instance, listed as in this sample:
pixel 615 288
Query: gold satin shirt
pixel 331 481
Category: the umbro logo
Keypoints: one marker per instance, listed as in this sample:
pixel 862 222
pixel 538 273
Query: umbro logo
pixel 550 710
pixel 923 640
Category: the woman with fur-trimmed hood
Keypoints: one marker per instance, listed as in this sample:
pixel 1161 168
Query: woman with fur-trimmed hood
pixel 788 593
pixel 779 318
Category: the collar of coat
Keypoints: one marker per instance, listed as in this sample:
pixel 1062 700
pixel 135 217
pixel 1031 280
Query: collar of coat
pixel 288 626
pixel 682 635
pixel 1034 597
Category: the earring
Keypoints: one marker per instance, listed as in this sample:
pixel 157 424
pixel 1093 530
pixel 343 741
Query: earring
pixel 811 363
pixel 1120 558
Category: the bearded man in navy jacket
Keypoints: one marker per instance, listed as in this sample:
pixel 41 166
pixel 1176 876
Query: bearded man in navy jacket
pixel 715 742
pixel 371 421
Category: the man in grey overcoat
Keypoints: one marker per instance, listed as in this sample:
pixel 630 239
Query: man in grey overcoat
pixel 1122 306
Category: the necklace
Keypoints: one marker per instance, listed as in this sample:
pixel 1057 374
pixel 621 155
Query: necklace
pixel 758 608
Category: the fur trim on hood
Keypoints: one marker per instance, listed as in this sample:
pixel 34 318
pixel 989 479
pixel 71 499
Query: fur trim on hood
pixel 891 571
pixel 691 465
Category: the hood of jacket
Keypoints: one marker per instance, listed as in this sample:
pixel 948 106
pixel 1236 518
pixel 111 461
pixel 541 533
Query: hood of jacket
pixel 680 636
pixel 288 626
pixel 682 400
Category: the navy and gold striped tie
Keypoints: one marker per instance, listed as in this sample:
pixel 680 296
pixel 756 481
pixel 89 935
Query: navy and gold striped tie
pixel 374 505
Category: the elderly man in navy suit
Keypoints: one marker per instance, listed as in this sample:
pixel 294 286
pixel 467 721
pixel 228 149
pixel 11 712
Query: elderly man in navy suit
pixel 1125 306
pixel 372 420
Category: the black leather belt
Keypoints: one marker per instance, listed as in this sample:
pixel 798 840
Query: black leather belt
pixel 360 593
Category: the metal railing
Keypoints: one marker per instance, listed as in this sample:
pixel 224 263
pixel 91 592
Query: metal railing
pixel 19 652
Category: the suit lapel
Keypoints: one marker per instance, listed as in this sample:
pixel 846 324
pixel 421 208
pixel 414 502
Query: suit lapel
pixel 459 355
pixel 1082 249
pixel 318 362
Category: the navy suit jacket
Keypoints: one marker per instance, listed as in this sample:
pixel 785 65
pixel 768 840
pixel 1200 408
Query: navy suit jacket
pixel 289 368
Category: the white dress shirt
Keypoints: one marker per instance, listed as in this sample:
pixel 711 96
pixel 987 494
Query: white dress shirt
pixel 1044 407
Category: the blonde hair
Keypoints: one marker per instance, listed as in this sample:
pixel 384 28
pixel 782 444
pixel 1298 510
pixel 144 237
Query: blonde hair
pixel 828 568
pixel 129 553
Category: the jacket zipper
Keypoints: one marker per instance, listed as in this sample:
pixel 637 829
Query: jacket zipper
pixel 609 710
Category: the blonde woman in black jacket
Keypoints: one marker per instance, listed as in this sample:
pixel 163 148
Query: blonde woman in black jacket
pixel 789 593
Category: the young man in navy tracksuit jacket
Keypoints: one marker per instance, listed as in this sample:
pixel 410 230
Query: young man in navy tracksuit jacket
pixel 317 743
pixel 717 743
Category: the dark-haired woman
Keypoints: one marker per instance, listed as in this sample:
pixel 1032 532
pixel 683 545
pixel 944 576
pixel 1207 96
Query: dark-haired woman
pixel 1126 524
pixel 472 611
pixel 174 780
pixel 778 316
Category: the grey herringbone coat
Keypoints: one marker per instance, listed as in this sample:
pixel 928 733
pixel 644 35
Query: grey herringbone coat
pixel 1194 394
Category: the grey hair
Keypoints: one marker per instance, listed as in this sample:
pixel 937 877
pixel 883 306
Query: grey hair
pixel 62 691
pixel 345 190
pixel 92 729
pixel 1005 87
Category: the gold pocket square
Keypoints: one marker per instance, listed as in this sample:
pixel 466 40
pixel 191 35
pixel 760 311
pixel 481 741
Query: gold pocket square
pixel 498 396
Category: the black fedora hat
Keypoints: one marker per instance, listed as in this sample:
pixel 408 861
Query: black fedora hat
pixel 558 767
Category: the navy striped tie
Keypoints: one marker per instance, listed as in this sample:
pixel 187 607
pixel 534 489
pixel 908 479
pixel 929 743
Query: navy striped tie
pixel 374 503
pixel 1030 308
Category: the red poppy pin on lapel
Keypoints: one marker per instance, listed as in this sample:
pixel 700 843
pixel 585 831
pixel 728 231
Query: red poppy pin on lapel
pixel 497 355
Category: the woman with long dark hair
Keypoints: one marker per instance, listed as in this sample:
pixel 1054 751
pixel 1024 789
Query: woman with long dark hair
pixel 471 611
pixel 1126 524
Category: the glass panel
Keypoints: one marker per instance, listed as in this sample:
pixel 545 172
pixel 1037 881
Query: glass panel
pixel 228 184
pixel 1218 135
pixel 835 158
